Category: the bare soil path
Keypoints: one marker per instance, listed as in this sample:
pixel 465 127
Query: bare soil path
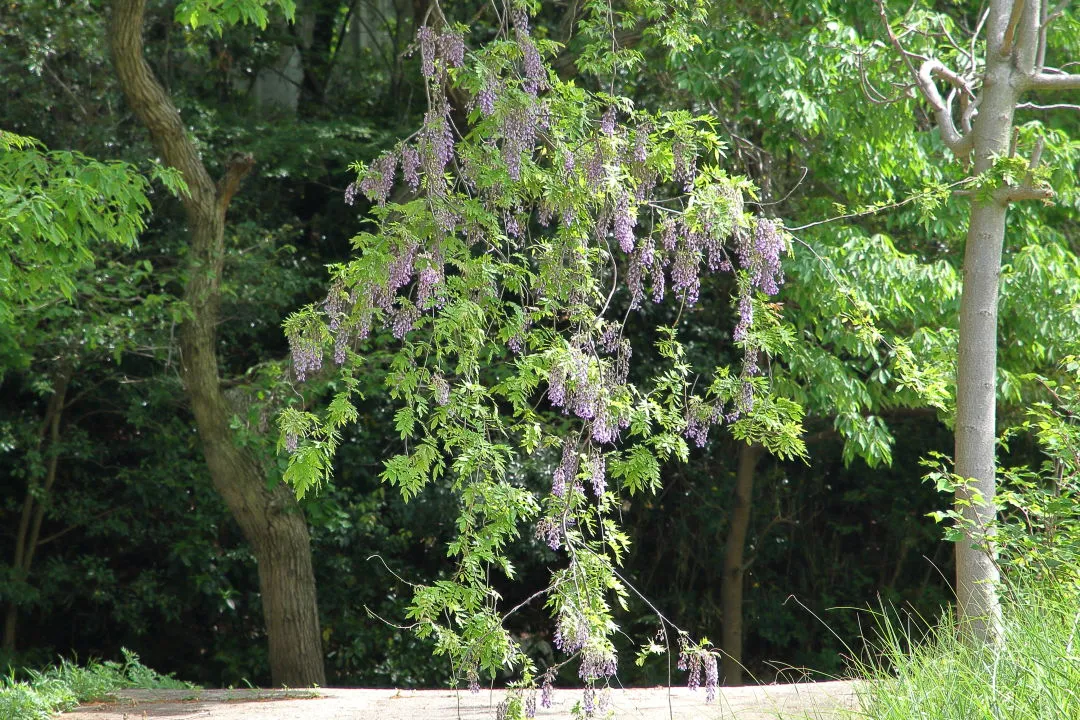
pixel 802 701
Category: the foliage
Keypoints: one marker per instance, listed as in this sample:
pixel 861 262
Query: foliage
pixel 220 14
pixel 145 556
pixel 1038 535
pixel 54 208
pixel 63 686
pixel 935 675
pixel 505 321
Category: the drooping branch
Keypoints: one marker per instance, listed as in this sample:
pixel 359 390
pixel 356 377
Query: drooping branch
pixel 959 143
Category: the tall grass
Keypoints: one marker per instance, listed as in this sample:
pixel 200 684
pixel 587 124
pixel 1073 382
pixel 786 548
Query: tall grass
pixel 1034 675
pixel 44 693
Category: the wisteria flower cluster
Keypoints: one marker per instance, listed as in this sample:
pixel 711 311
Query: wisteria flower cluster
pixel 516 230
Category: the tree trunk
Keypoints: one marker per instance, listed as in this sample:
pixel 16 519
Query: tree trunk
pixel 978 606
pixel 33 512
pixel 269 516
pixel 731 591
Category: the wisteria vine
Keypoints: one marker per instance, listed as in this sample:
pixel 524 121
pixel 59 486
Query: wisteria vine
pixel 510 227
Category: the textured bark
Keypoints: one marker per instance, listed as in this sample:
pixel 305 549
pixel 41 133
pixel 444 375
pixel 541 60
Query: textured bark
pixel 267 515
pixel 731 592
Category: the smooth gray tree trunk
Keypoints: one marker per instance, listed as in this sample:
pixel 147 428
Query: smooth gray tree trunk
pixel 979 132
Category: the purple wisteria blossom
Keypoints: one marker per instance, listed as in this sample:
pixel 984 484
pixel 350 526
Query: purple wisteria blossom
pixel 557 386
pixel 596 664
pixel 307 354
pixel 609 340
pixel 400 271
pixel 341 346
pixel 607 122
pixel 641 142
pixel 378 181
pixel 625 221
pixel 572 632
pixel 685 165
pixel 410 166
pixel 550 532
pixel 427 283
pixel 334 305
pixel 712 678
pixel 685 280
pixel 485 99
pixel 567 470
pixel 594 168
pixel 588 702
pixel 605 428
pixel 635 280
pixel 403 320
pixel 746 316
pixel 597 473
pixel 547 689
pixel 452 48
pixel 436 143
pixel 519 138
pixel 533 68
pixel 426 37
pixel 441 388
pixel 766 273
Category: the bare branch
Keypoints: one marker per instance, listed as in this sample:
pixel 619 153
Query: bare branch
pixel 967 112
pixel 1044 22
pixel 239 166
pixel 1012 194
pixel 1036 156
pixel 1054 14
pixel 975 38
pixel 1010 29
pixel 905 54
pixel 1052 106
pixel 1046 81
pixel 954 140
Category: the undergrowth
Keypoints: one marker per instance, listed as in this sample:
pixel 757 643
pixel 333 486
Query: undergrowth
pixel 935 675
pixel 61 687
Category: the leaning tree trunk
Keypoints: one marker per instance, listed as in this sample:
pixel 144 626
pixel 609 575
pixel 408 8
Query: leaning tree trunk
pixel 731 591
pixel 268 516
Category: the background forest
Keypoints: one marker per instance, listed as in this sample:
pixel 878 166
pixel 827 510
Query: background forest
pixel 116 532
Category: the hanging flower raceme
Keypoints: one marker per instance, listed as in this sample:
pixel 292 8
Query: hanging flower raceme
pixel 536 217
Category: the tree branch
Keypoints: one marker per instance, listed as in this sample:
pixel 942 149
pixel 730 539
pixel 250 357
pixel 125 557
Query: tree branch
pixel 240 165
pixel 1052 106
pixel 152 105
pixel 1047 81
pixel 959 144
pixel 1010 29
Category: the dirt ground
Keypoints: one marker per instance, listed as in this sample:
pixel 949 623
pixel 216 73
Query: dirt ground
pixel 803 701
